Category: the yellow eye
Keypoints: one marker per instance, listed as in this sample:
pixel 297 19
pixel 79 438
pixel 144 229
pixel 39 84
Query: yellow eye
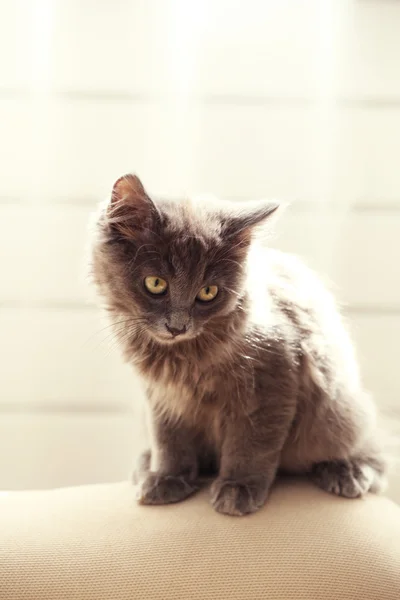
pixel 156 285
pixel 207 293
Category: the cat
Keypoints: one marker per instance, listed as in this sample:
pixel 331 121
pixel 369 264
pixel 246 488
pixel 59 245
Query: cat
pixel 248 367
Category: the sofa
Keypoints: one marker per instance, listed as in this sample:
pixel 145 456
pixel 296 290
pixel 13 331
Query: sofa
pixel 95 543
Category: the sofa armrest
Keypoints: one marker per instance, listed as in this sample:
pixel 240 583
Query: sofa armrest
pixel 96 543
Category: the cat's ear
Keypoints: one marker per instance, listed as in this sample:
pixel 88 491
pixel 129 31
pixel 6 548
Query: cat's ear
pixel 130 208
pixel 242 219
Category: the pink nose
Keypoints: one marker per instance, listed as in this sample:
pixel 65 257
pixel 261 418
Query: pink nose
pixel 175 331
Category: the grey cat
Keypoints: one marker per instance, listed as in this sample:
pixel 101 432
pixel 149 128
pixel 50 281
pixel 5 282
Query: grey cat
pixel 247 364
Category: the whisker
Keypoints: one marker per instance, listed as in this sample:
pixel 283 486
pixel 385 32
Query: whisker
pixel 118 328
pixel 121 338
pixel 110 325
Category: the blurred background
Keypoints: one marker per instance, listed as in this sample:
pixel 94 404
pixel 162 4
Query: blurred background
pixel 294 99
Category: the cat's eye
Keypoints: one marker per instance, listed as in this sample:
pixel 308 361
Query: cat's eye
pixel 155 285
pixel 207 293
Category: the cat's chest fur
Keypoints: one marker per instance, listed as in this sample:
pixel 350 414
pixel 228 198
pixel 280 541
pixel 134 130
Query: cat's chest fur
pixel 187 393
pixel 201 387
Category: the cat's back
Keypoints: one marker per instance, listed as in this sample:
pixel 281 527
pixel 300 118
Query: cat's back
pixel 279 282
pixel 289 294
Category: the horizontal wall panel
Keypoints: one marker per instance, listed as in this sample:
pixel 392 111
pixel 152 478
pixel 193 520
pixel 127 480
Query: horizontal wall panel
pixel 163 46
pixel 364 165
pixel 65 359
pixel 43 253
pixel 317 153
pixel 67 150
pixel 16 43
pixel 356 254
pixel 327 49
pixel 16 151
pixel 376 343
pixel 50 450
pixel 366 46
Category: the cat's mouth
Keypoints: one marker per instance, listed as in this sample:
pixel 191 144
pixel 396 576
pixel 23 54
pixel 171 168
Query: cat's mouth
pixel 170 338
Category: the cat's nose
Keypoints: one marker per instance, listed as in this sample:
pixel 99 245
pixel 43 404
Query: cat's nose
pixel 175 331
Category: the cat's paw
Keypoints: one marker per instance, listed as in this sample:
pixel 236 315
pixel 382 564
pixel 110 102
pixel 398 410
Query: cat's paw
pixel 345 478
pixel 237 498
pixel 163 489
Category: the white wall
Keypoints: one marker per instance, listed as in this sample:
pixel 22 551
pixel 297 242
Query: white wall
pixel 297 99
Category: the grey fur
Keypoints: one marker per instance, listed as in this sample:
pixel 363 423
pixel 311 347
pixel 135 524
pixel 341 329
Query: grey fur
pixel 265 377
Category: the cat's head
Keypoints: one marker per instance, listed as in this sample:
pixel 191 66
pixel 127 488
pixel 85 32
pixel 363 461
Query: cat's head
pixel 173 268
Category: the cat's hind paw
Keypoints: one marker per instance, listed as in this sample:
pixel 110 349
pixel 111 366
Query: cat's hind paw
pixel 347 478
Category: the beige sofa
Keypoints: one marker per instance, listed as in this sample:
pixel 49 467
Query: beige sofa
pixel 95 543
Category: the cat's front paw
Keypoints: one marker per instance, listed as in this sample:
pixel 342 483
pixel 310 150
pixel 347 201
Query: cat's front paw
pixel 164 489
pixel 238 498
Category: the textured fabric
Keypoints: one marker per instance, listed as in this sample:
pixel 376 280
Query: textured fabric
pixel 95 543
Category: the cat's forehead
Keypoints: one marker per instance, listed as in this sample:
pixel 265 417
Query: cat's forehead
pixel 191 219
pixel 188 240
pixel 189 255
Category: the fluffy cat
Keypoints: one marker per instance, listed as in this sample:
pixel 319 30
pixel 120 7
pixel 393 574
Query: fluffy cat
pixel 247 365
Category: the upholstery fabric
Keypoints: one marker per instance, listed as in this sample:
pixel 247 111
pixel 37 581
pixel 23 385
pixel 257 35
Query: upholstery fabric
pixel 95 543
